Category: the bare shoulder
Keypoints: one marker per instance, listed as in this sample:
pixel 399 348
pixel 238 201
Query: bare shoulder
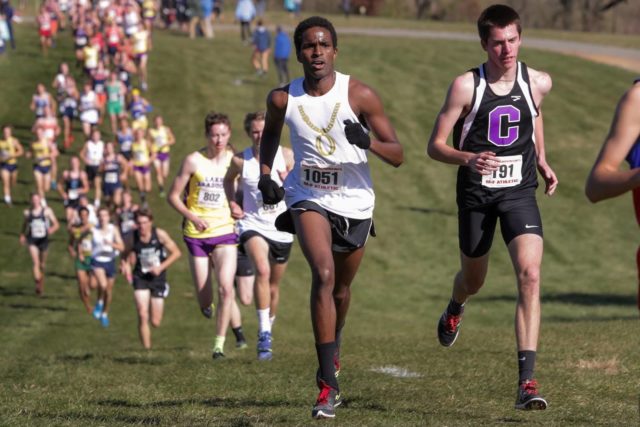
pixel 361 91
pixel 238 159
pixel 464 84
pixel 190 162
pixel 163 236
pixel 633 94
pixel 278 98
pixel 540 80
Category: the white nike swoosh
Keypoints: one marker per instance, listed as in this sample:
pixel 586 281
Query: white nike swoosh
pixel 531 226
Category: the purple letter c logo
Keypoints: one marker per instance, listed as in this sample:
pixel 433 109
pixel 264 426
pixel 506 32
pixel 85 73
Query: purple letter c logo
pixel 496 136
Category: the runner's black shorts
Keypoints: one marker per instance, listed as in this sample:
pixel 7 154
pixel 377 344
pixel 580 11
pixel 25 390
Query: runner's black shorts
pixel 244 266
pixel 278 251
pixel 158 286
pixel 476 226
pixel 347 234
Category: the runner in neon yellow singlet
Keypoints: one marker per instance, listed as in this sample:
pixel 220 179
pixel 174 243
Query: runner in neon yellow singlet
pixel 209 230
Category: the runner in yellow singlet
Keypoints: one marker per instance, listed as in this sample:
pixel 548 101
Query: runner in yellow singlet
pixel 142 157
pixel 198 195
pixel 41 154
pixel 10 150
pixel 162 139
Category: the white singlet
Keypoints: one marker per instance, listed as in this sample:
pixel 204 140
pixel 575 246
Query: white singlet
pixel 95 152
pixel 328 169
pixel 258 216
pixel 103 244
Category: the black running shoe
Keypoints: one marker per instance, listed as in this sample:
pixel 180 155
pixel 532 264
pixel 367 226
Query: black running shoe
pixel 448 328
pixel 528 397
pixel 217 355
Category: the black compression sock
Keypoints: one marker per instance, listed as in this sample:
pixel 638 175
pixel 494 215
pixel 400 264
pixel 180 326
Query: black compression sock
pixel 526 365
pixel 238 333
pixel 325 353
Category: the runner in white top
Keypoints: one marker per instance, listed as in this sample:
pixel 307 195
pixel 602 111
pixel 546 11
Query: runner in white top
pixel 106 241
pixel 267 247
pixel 326 113
pixel 89 115
pixel 92 154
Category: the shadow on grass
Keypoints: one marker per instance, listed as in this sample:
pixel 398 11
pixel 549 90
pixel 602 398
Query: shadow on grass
pixel 62 276
pixel 221 402
pixel 75 358
pixel 92 419
pixel 427 210
pixel 35 307
pixel 577 298
pixel 12 292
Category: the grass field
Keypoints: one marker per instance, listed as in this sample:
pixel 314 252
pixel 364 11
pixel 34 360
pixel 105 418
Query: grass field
pixel 59 367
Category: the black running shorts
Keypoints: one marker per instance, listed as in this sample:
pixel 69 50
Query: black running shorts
pixel 476 226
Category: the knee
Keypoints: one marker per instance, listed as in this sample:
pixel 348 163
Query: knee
pixel 155 322
pixel 341 293
pixel 529 281
pixel 143 317
pixel 263 270
pixel 225 292
pixel 245 300
pixel 323 277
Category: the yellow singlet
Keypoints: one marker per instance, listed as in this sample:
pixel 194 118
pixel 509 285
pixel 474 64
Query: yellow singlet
pixel 140 40
pixel 83 240
pixel 140 153
pixel 41 153
pixel 160 137
pixel 7 151
pixel 207 200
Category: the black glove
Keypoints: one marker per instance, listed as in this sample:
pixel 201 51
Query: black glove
pixel 271 192
pixel 356 135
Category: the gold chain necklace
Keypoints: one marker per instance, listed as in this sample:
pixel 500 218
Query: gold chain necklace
pixel 322 131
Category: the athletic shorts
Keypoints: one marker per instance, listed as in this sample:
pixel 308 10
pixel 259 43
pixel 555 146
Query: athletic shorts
pixel 42 169
pixel 476 226
pixel 109 189
pixel 45 33
pixel 112 50
pixel 204 247
pixel 114 108
pixel 159 287
pixel 108 267
pixel 126 154
pixel 69 203
pixel 347 234
pixel 9 167
pixel 278 251
pixel 42 244
pixel 142 169
pixel 163 157
pixel 92 172
pixel 69 112
pixel 245 266
pixel 83 266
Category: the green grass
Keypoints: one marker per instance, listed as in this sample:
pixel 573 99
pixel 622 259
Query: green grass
pixel 59 367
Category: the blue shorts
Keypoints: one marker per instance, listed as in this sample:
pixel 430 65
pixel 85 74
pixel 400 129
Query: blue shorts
pixel 9 167
pixel 108 267
pixel 109 189
pixel 42 169
pixel 69 112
